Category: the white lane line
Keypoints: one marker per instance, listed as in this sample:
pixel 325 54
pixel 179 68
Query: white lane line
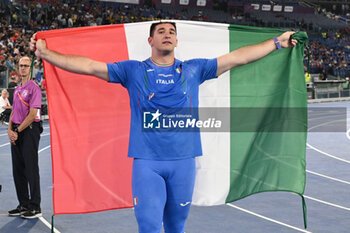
pixel 327 203
pixel 268 219
pixel 43 220
pixel 5 144
pixel 327 154
pixel 47 147
pixel 326 123
pixel 311 118
pixel 328 177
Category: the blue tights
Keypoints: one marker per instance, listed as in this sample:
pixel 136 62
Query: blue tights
pixel 162 192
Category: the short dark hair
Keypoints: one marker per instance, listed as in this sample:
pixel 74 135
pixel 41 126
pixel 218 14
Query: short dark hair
pixel 154 25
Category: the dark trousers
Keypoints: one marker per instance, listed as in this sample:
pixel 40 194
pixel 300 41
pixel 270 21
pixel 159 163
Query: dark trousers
pixel 25 167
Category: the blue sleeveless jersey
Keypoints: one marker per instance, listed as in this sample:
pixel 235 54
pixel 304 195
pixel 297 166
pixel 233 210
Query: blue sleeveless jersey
pixel 153 88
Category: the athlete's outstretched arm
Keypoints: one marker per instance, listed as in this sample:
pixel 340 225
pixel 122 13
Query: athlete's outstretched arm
pixel 247 54
pixel 71 63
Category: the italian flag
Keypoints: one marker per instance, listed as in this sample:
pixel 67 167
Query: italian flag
pixel 90 118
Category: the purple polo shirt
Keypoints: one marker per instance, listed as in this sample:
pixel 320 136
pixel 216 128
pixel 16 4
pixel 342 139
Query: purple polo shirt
pixel 31 94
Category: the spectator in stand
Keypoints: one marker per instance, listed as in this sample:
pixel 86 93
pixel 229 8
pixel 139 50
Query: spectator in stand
pixel 10 64
pixel 43 84
pixel 37 68
pixel 323 75
pixel 5 106
pixel 12 85
pixel 14 80
pixel 330 54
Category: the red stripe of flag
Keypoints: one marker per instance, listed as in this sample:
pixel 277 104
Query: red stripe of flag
pixel 89 123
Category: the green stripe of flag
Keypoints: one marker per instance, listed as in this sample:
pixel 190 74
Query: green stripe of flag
pixel 266 159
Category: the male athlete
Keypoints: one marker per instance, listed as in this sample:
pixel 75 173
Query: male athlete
pixel 163 175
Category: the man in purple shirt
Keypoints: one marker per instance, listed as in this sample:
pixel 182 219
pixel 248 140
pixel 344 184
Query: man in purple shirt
pixel 24 135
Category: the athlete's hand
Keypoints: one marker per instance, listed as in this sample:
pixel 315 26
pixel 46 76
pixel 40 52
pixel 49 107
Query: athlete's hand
pixel 37 46
pixel 286 41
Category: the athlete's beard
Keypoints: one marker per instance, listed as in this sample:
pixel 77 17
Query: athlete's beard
pixel 167 52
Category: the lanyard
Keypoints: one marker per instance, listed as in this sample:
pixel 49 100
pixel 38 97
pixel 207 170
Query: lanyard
pixel 25 103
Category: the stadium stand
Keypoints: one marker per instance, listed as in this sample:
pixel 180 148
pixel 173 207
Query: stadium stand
pixel 328 31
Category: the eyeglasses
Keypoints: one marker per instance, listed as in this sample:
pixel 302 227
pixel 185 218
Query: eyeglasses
pixel 26 66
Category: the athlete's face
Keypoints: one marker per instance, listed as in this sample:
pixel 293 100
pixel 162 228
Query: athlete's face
pixel 164 37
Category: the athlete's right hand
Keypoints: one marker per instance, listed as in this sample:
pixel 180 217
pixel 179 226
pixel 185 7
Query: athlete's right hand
pixel 37 46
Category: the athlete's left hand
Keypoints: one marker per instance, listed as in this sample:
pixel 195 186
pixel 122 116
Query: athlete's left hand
pixel 286 41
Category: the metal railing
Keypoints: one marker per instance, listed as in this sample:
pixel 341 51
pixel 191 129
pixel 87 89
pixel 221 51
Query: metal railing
pixel 327 89
pixel 4 82
pixel 4 78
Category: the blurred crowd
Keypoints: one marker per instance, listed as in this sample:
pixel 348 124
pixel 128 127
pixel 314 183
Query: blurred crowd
pixel 330 55
pixel 20 19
